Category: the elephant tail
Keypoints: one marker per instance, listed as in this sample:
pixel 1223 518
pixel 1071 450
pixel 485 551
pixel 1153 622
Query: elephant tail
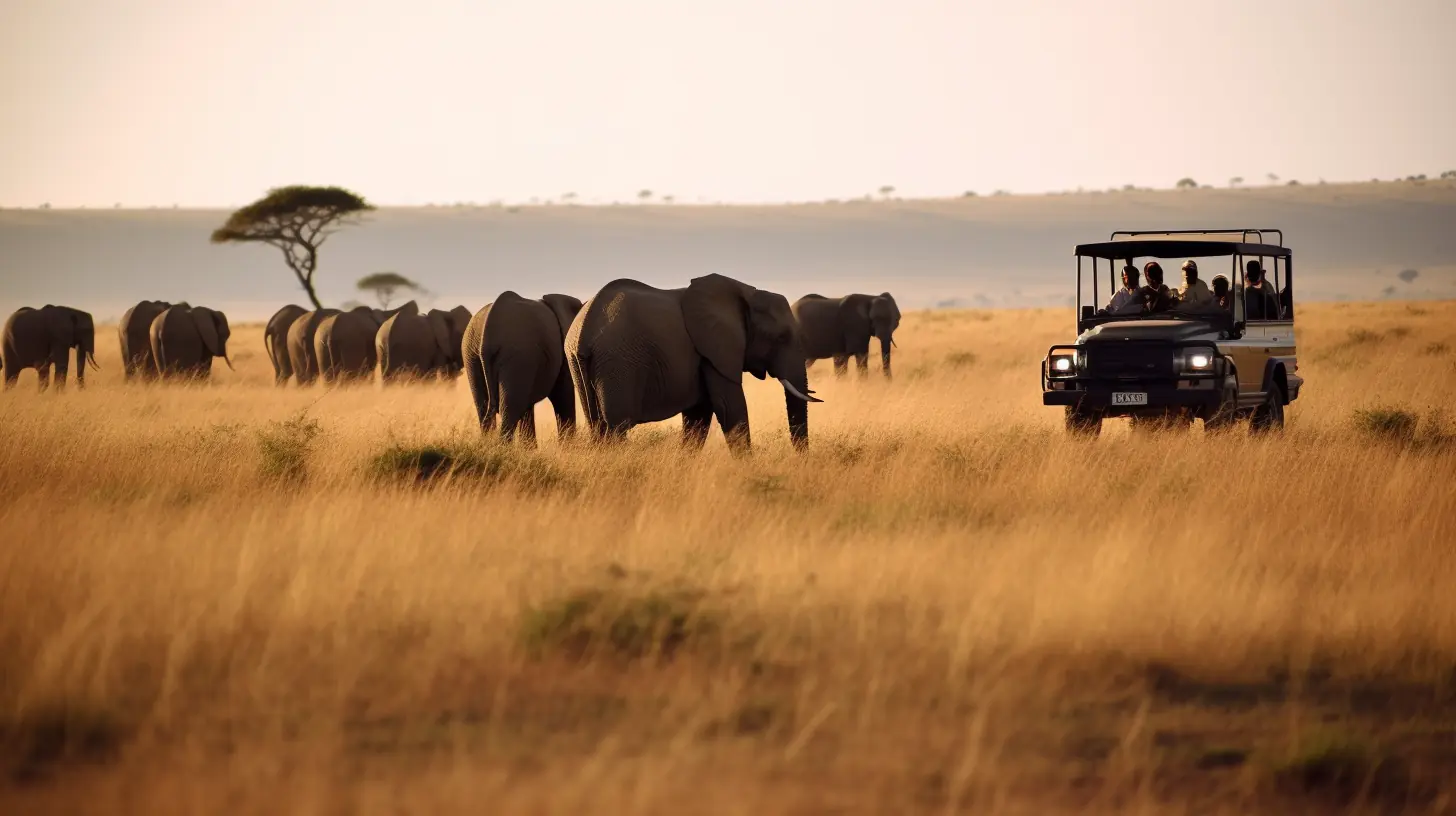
pixel 586 389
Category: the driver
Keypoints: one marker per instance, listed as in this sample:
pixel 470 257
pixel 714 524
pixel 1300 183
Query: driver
pixel 1125 300
pixel 1155 296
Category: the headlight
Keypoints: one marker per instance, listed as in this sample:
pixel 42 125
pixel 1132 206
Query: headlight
pixel 1200 362
pixel 1062 364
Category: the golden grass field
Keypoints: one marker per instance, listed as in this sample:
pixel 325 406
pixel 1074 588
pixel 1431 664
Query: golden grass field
pixel 212 603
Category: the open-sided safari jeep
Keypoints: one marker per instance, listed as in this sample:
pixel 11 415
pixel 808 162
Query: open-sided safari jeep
pixel 1142 357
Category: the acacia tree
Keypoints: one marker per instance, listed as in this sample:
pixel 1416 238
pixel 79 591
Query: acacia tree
pixel 385 284
pixel 296 219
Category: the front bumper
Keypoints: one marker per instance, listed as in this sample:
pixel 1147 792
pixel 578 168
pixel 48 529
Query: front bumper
pixel 1160 398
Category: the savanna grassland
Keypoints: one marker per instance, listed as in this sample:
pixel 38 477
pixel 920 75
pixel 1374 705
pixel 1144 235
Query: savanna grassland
pixel 240 599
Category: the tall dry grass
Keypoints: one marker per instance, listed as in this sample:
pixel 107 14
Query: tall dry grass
pixel 238 599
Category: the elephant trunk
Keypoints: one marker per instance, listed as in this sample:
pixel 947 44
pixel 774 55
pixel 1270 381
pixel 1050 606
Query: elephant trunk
pixel 885 343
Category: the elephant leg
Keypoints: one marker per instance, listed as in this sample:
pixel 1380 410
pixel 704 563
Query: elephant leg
pixel 45 377
pixel 862 362
pixel 563 404
pixel 841 365
pixel 696 422
pixel 730 407
pixel 527 427
pixel 479 391
pixel 516 410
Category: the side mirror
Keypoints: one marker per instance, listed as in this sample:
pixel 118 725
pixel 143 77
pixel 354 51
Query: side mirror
pixel 1088 312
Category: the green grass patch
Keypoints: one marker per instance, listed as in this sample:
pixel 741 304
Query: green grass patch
pixel 1343 771
pixel 285 447
pixel 624 620
pixel 960 359
pixel 483 462
pixel 1405 427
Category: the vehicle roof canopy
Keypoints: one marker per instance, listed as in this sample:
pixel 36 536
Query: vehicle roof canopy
pixel 1175 248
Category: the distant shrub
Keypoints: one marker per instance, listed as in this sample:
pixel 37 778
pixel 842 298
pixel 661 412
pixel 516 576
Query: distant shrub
pixel 1435 349
pixel 285 447
pixel 969 194
pixel 1187 184
pixel 44 736
pixel 454 460
pixel 1449 174
pixel 623 621
pixel 1408 275
pixel 961 359
pixel 1343 771
pixel 1405 427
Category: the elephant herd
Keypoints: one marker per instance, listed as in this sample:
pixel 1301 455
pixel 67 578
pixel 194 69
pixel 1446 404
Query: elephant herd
pixel 335 346
pixel 631 354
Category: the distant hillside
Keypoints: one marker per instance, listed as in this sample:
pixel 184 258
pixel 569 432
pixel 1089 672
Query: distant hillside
pixel 1351 242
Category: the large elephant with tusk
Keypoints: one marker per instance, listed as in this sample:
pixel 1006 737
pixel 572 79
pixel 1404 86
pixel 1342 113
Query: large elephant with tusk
pixel 186 338
pixel 641 354
pixel 42 339
pixel 838 328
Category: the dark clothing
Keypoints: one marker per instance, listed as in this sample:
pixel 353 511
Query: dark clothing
pixel 1160 299
pixel 1260 304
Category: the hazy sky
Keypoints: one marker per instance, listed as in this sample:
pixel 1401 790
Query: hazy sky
pixel 196 102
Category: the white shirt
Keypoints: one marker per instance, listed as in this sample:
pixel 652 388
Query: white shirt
pixel 1123 300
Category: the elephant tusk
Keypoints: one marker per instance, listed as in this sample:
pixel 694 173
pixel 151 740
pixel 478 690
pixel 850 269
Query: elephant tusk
pixel 91 358
pixel 229 363
pixel 789 387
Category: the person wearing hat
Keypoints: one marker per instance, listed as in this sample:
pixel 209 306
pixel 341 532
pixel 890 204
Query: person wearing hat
pixel 1155 296
pixel 1125 300
pixel 1194 293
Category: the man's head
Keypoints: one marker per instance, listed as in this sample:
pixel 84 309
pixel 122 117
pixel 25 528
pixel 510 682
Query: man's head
pixel 1253 272
pixel 1153 271
pixel 1220 286
pixel 1130 276
pixel 1190 270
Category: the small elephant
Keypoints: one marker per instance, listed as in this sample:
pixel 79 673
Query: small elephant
pixel 641 354
pixel 275 340
pixel 422 345
pixel 512 351
pixel 42 338
pixel 839 327
pixel 344 343
pixel 186 338
pixel 135 334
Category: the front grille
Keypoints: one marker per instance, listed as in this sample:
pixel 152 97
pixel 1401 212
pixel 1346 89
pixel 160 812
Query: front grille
pixel 1139 361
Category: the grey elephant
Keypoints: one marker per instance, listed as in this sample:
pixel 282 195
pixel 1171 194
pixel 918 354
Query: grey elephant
pixel 417 345
pixel 135 334
pixel 302 356
pixel 641 354
pixel 837 328
pixel 43 338
pixel 275 340
pixel 344 343
pixel 186 338
pixel 513 356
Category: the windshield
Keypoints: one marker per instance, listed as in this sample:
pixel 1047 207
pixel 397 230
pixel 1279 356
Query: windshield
pixel 1224 287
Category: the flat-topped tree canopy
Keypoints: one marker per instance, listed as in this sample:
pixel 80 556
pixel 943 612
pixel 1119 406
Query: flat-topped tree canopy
pixel 1163 248
pixel 297 219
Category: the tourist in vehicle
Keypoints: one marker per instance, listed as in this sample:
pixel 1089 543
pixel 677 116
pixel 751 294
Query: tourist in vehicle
pixel 1221 293
pixel 1155 296
pixel 1260 302
pixel 1125 300
pixel 1194 293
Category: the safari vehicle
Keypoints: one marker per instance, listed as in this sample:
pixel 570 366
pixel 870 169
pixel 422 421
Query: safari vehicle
pixel 1218 363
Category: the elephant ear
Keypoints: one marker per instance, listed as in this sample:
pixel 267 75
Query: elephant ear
pixel 202 318
pixel 440 327
pixel 565 307
pixel 854 316
pixel 714 309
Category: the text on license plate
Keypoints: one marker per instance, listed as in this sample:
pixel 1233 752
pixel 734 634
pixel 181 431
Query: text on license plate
pixel 1129 398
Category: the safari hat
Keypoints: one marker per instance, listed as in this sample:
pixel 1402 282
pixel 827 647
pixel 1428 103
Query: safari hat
pixel 1190 265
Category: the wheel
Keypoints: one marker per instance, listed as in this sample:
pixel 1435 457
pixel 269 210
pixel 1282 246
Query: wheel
pixel 1269 417
pixel 1083 423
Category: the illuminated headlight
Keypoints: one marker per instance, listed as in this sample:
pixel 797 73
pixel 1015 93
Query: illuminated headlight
pixel 1200 362
pixel 1063 365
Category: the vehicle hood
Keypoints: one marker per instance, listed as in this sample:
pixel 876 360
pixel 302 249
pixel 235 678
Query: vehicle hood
pixel 1172 330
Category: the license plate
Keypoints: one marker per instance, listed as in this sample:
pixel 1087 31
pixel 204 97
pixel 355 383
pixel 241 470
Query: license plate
pixel 1129 398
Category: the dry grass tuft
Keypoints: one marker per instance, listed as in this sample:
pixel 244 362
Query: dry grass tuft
pixel 228 597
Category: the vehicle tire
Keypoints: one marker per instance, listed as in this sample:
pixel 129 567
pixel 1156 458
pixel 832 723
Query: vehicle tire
pixel 1269 417
pixel 1083 423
